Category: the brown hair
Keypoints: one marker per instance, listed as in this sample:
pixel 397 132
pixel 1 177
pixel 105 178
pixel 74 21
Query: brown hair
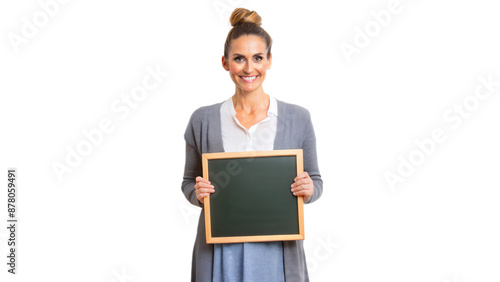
pixel 246 22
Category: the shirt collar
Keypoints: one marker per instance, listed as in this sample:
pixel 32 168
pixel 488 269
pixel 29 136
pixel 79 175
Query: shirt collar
pixel 273 106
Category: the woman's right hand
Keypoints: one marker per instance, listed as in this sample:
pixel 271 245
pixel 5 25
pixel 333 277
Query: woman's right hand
pixel 203 188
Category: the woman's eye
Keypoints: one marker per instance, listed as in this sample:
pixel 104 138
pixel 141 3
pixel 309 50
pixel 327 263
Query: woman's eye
pixel 258 58
pixel 238 59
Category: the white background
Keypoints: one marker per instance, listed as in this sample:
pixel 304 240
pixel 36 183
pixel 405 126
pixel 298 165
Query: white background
pixel 119 215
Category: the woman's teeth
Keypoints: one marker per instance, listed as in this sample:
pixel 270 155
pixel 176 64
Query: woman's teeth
pixel 248 78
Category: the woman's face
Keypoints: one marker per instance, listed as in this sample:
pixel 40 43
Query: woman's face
pixel 247 62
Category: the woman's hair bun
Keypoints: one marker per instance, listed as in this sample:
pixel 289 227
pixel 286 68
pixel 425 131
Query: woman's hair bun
pixel 242 15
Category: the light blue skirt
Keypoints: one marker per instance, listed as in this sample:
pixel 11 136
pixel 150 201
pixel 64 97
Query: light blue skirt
pixel 248 262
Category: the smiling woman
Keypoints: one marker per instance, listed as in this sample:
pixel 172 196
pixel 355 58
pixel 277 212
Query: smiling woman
pixel 250 120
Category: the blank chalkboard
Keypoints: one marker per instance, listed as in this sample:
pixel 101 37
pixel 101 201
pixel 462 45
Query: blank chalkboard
pixel 252 201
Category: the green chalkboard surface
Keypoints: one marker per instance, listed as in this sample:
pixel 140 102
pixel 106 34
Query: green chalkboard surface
pixel 252 199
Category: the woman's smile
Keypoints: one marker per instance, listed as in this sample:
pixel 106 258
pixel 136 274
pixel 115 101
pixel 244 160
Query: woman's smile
pixel 249 79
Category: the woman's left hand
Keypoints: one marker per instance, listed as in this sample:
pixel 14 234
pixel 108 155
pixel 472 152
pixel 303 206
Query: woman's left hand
pixel 303 186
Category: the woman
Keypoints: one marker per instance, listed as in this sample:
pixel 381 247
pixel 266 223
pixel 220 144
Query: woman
pixel 250 120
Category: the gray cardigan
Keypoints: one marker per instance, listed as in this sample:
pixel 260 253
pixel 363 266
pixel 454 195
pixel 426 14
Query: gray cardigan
pixel 203 135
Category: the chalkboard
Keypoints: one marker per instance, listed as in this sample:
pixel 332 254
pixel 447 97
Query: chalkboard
pixel 253 201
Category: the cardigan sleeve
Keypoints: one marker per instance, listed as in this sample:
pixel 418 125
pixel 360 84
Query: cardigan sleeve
pixel 192 169
pixel 311 161
pixel 192 166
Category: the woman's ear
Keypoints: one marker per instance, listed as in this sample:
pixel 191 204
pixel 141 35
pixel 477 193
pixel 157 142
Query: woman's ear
pixel 224 63
pixel 270 60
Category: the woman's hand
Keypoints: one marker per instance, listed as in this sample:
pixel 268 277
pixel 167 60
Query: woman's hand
pixel 203 188
pixel 303 186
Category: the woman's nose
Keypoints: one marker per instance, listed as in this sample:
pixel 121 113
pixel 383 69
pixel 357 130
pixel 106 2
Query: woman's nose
pixel 249 67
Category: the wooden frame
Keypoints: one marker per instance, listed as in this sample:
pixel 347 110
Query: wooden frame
pixel 253 165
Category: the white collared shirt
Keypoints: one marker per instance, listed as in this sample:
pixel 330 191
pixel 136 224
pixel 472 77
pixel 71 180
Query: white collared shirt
pixel 260 137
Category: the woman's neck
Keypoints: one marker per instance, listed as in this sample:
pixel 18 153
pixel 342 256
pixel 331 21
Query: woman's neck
pixel 251 102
